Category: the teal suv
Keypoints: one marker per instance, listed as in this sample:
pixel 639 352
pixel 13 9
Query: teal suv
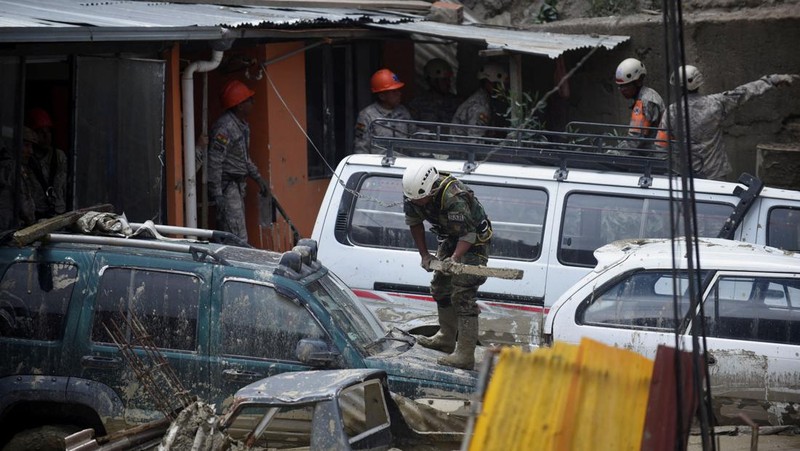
pixel 222 316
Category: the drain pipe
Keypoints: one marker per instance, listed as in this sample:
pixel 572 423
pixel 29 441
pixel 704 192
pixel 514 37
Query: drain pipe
pixel 187 106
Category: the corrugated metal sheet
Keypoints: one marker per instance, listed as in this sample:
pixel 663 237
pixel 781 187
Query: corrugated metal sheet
pixel 56 20
pixel 551 45
pixel 567 397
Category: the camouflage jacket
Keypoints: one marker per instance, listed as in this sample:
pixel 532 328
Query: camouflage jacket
pixel 706 115
pixel 476 110
pixel 228 153
pixel 51 197
pixel 363 141
pixel 454 211
pixel 646 111
pixel 432 106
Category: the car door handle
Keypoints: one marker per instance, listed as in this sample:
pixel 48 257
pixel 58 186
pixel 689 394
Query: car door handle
pixel 241 376
pixel 100 362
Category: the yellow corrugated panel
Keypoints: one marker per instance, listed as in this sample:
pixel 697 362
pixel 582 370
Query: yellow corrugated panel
pixel 566 397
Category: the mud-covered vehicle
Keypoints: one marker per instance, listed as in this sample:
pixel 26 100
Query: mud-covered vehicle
pixel 324 409
pixel 222 316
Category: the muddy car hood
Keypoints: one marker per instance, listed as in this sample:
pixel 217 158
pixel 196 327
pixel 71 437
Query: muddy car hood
pixel 417 365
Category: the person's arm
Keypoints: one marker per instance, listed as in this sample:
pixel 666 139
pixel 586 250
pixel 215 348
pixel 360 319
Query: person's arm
pixel 741 94
pixel 60 182
pixel 215 156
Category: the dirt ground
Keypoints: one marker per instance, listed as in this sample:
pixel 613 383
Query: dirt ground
pixel 740 440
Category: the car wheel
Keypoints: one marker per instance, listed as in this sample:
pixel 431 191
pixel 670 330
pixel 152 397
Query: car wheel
pixel 43 438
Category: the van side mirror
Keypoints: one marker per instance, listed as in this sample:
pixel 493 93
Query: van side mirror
pixel 315 352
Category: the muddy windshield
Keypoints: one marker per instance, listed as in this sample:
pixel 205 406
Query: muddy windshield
pixel 361 327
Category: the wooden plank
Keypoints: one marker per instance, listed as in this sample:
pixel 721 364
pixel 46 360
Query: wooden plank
pixel 37 231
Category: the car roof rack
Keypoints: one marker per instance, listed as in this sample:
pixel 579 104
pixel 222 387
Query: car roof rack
pixel 565 150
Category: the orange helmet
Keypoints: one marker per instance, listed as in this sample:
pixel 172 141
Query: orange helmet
pixel 385 80
pixel 38 118
pixel 234 93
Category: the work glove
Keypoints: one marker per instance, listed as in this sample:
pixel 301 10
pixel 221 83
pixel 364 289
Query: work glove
pixel 426 262
pixel 263 188
pixel 783 79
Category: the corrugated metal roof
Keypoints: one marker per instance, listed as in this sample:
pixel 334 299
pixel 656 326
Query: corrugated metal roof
pixel 58 20
pixel 118 20
pixel 551 45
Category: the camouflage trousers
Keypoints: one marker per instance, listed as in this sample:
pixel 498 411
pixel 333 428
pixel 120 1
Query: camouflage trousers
pixel 233 220
pixel 462 289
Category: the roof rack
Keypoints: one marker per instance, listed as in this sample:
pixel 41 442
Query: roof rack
pixel 565 150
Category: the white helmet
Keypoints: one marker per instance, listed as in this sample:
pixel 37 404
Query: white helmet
pixel 418 180
pixel 692 76
pixel 494 73
pixel 629 71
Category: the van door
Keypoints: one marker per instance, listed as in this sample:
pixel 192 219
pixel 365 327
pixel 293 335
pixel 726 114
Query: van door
pixel 753 339
pixel 169 299
pixel 255 333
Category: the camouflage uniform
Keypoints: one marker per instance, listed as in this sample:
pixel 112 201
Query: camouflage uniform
pixel 646 111
pixel 25 215
pixel 363 139
pixel 706 115
pixel 49 167
pixel 456 214
pixel 433 106
pixel 229 165
pixel 476 110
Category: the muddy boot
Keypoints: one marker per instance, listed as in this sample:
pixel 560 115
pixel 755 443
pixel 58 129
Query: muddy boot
pixel 464 355
pixel 445 339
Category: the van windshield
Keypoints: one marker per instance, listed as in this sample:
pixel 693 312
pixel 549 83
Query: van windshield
pixel 361 327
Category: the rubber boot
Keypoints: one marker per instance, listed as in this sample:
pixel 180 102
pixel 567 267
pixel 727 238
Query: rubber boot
pixel 445 339
pixel 464 355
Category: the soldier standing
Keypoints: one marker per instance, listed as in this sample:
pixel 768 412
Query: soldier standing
pixel 464 231
pixel 229 162
pixel 386 86
pixel 17 195
pixel 706 115
pixel 49 166
pixel 646 109
pixel 437 104
pixel 477 110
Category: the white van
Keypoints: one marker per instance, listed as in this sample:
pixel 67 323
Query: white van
pixel 548 216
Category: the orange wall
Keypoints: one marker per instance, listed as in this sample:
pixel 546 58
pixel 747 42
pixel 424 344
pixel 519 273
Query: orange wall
pixel 288 160
pixel 173 143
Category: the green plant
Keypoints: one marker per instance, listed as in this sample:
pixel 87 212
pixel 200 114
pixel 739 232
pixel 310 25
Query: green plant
pixel 547 12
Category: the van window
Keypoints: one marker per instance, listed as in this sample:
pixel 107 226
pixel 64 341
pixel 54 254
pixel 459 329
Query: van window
pixel 34 299
pixel 783 228
pixel 755 309
pixel 257 321
pixel 517 216
pixel 166 303
pixel 593 220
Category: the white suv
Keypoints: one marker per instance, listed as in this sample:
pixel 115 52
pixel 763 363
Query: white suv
pixel 549 214
pixel 751 300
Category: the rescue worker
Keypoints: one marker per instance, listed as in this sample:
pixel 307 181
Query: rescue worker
pixel 387 105
pixel 706 115
pixel 477 110
pixel 464 232
pixel 25 213
pixel 48 166
pixel 229 162
pixel 437 103
pixel 647 107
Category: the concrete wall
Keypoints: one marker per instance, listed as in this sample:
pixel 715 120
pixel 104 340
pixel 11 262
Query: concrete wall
pixel 730 48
